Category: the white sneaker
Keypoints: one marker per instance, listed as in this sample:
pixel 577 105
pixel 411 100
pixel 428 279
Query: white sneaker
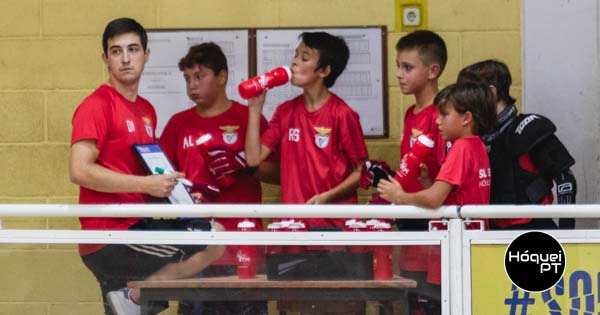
pixel 121 303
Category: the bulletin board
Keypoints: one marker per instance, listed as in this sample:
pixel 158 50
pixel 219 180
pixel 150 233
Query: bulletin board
pixel 163 84
pixel 254 51
pixel 362 84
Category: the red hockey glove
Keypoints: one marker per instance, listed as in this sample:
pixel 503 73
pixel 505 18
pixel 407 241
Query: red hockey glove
pixel 224 162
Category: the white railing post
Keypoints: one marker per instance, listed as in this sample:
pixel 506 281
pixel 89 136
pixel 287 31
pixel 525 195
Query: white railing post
pixel 455 229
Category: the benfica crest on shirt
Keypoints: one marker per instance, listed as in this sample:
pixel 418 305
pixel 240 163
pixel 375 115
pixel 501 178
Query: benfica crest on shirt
pixel 322 136
pixel 148 125
pixel 230 135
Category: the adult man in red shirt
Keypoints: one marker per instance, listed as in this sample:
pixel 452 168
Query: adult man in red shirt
pixel 105 125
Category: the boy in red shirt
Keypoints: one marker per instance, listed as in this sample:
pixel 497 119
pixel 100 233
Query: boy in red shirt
pixel 420 59
pixel 105 126
pixel 205 71
pixel 317 135
pixel 466 110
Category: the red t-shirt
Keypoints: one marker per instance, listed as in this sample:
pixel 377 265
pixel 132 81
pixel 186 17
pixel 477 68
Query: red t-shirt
pixel 228 130
pixel 467 169
pixel 116 124
pixel 423 123
pixel 413 258
pixel 318 150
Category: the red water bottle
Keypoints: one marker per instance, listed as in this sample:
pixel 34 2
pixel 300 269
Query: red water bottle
pixel 275 226
pixel 410 165
pixel 356 225
pixel 246 254
pixel 253 87
pixel 382 256
pixel 205 145
pixel 296 226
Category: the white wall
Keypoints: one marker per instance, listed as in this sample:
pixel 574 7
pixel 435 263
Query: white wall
pixel 561 79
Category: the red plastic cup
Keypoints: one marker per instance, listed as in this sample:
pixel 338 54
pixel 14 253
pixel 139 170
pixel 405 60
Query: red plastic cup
pixel 246 254
pixel 274 249
pixel 382 256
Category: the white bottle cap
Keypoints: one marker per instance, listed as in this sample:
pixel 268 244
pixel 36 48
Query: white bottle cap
pixel 246 225
pixel 383 226
pixel 426 141
pixel 285 223
pixel 274 226
pixel 373 222
pixel 297 225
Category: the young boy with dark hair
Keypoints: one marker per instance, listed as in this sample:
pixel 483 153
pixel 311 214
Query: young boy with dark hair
pixel 205 71
pixel 466 110
pixel 525 154
pixel 421 59
pixel 318 138
pixel 317 135
pixel 105 126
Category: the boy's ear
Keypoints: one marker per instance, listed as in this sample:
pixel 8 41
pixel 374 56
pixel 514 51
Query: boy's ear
pixel 147 55
pixel 467 118
pixel 494 91
pixel 434 71
pixel 222 76
pixel 325 72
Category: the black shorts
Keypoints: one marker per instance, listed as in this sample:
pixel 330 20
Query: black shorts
pixel 119 263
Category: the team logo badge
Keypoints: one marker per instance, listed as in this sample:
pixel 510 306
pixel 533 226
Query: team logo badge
pixel 148 125
pixel 230 135
pixel 322 136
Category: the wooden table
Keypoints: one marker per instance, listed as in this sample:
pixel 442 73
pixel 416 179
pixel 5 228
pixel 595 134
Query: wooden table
pixel 260 289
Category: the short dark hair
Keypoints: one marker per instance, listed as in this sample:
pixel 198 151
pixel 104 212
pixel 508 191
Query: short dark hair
pixel 333 52
pixel 121 26
pixel 491 72
pixel 473 97
pixel 209 55
pixel 430 46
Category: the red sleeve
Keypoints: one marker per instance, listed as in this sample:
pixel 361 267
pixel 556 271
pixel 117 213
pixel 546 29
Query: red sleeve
pixel 91 120
pixel 352 138
pixel 168 141
pixel 272 136
pixel 453 170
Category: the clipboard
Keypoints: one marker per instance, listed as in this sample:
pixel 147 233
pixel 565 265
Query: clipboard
pixel 152 157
